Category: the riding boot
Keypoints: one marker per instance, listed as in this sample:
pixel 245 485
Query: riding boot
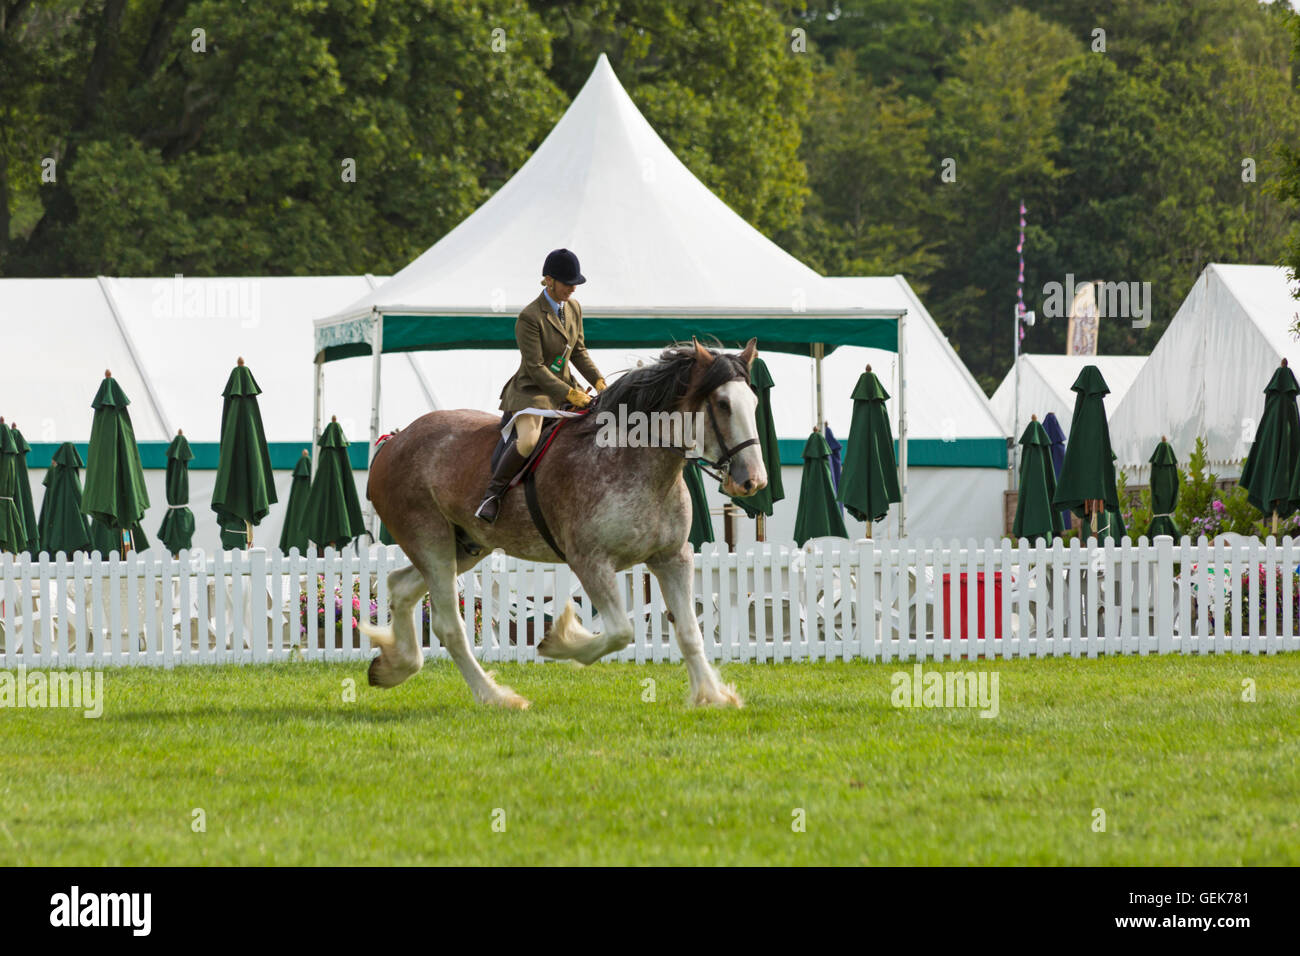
pixel 510 465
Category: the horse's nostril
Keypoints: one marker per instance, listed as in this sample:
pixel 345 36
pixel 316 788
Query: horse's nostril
pixel 749 485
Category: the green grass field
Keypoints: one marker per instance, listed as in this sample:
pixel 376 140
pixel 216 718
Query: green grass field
pixel 287 772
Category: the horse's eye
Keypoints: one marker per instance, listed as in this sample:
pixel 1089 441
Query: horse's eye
pixel 724 405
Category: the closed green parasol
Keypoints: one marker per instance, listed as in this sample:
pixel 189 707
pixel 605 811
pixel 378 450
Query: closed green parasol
pixel 13 530
pixel 1164 491
pixel 817 516
pixel 1270 474
pixel 177 531
pixel 333 512
pixel 761 503
pixel 1086 484
pixel 244 489
pixel 294 535
pixel 1036 517
pixel 701 522
pixel 31 525
pixel 63 528
pixel 869 481
pixel 115 493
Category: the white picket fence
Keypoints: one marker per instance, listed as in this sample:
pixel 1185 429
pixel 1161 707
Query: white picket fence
pixel 832 599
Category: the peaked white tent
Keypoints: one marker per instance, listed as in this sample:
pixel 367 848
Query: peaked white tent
pixel 1206 375
pixel 956 446
pixel 1045 382
pixel 665 259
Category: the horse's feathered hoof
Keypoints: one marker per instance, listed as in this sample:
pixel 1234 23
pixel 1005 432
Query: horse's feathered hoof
pixel 504 697
pixel 720 695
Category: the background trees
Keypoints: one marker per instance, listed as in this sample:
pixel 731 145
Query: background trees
pixel 229 160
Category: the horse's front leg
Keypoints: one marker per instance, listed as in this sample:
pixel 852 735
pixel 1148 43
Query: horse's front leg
pixel 676 575
pixel 569 640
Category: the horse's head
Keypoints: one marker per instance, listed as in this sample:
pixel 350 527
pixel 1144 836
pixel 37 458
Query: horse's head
pixel 719 389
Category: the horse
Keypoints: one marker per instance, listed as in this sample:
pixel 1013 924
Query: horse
pixel 609 506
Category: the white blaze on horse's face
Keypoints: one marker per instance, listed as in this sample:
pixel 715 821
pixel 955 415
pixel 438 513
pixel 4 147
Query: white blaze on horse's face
pixel 736 406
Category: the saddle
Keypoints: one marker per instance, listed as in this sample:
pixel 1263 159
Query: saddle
pixel 550 426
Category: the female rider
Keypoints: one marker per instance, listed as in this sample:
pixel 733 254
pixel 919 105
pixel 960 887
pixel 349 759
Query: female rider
pixel 549 334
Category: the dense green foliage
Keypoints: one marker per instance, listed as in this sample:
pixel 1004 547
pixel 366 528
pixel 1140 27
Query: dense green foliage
pixel 303 764
pixel 827 126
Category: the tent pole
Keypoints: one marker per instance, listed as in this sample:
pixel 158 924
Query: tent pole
pixel 819 351
pixel 902 429
pixel 376 359
pixel 316 411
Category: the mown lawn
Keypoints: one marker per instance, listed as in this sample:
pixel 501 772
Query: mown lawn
pixel 288 772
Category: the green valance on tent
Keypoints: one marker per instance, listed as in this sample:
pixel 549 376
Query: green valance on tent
pixel 785 332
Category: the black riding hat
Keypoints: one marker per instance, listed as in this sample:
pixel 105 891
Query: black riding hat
pixel 562 265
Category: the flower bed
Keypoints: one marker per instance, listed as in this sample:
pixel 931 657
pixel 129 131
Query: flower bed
pixel 347 616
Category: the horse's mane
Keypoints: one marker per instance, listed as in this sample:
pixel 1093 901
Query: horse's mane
pixel 665 385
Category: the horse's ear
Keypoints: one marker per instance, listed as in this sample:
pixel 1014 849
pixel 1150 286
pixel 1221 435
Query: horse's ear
pixel 750 352
pixel 702 355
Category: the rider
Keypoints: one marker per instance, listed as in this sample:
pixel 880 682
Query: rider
pixel 549 334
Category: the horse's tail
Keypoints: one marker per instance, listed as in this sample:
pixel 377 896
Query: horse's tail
pixel 379 636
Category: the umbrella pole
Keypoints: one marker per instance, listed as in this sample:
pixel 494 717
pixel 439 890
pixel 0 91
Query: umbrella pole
pixel 124 538
pixel 1275 522
pixel 248 533
pixel 868 529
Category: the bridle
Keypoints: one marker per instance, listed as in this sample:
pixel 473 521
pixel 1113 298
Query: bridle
pixel 723 464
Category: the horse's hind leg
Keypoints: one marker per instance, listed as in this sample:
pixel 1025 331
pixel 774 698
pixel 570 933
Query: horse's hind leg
pixel 676 574
pixel 400 655
pixel 450 630
pixel 433 571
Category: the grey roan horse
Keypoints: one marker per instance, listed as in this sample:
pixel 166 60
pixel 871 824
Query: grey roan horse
pixel 609 506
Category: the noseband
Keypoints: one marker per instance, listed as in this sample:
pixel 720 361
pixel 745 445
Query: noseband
pixel 723 464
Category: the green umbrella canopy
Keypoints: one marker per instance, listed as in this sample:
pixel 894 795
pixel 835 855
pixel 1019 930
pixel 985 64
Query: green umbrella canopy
pixel 177 529
pixel 13 529
pixel 244 488
pixel 63 528
pixel 294 535
pixel 817 515
pixel 869 481
pixel 30 523
pixel 761 503
pixel 1270 473
pixel 701 523
pixel 1035 515
pixel 115 491
pixel 1164 491
pixel 1088 472
pixel 333 514
pixel 107 540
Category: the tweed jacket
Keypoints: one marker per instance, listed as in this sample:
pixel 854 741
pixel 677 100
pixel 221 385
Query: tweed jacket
pixel 542 340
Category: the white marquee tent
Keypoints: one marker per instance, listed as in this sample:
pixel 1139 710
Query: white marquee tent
pixel 1045 382
pixel 172 346
pixel 1206 375
pixel 666 259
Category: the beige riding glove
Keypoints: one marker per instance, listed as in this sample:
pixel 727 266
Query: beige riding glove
pixel 578 398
